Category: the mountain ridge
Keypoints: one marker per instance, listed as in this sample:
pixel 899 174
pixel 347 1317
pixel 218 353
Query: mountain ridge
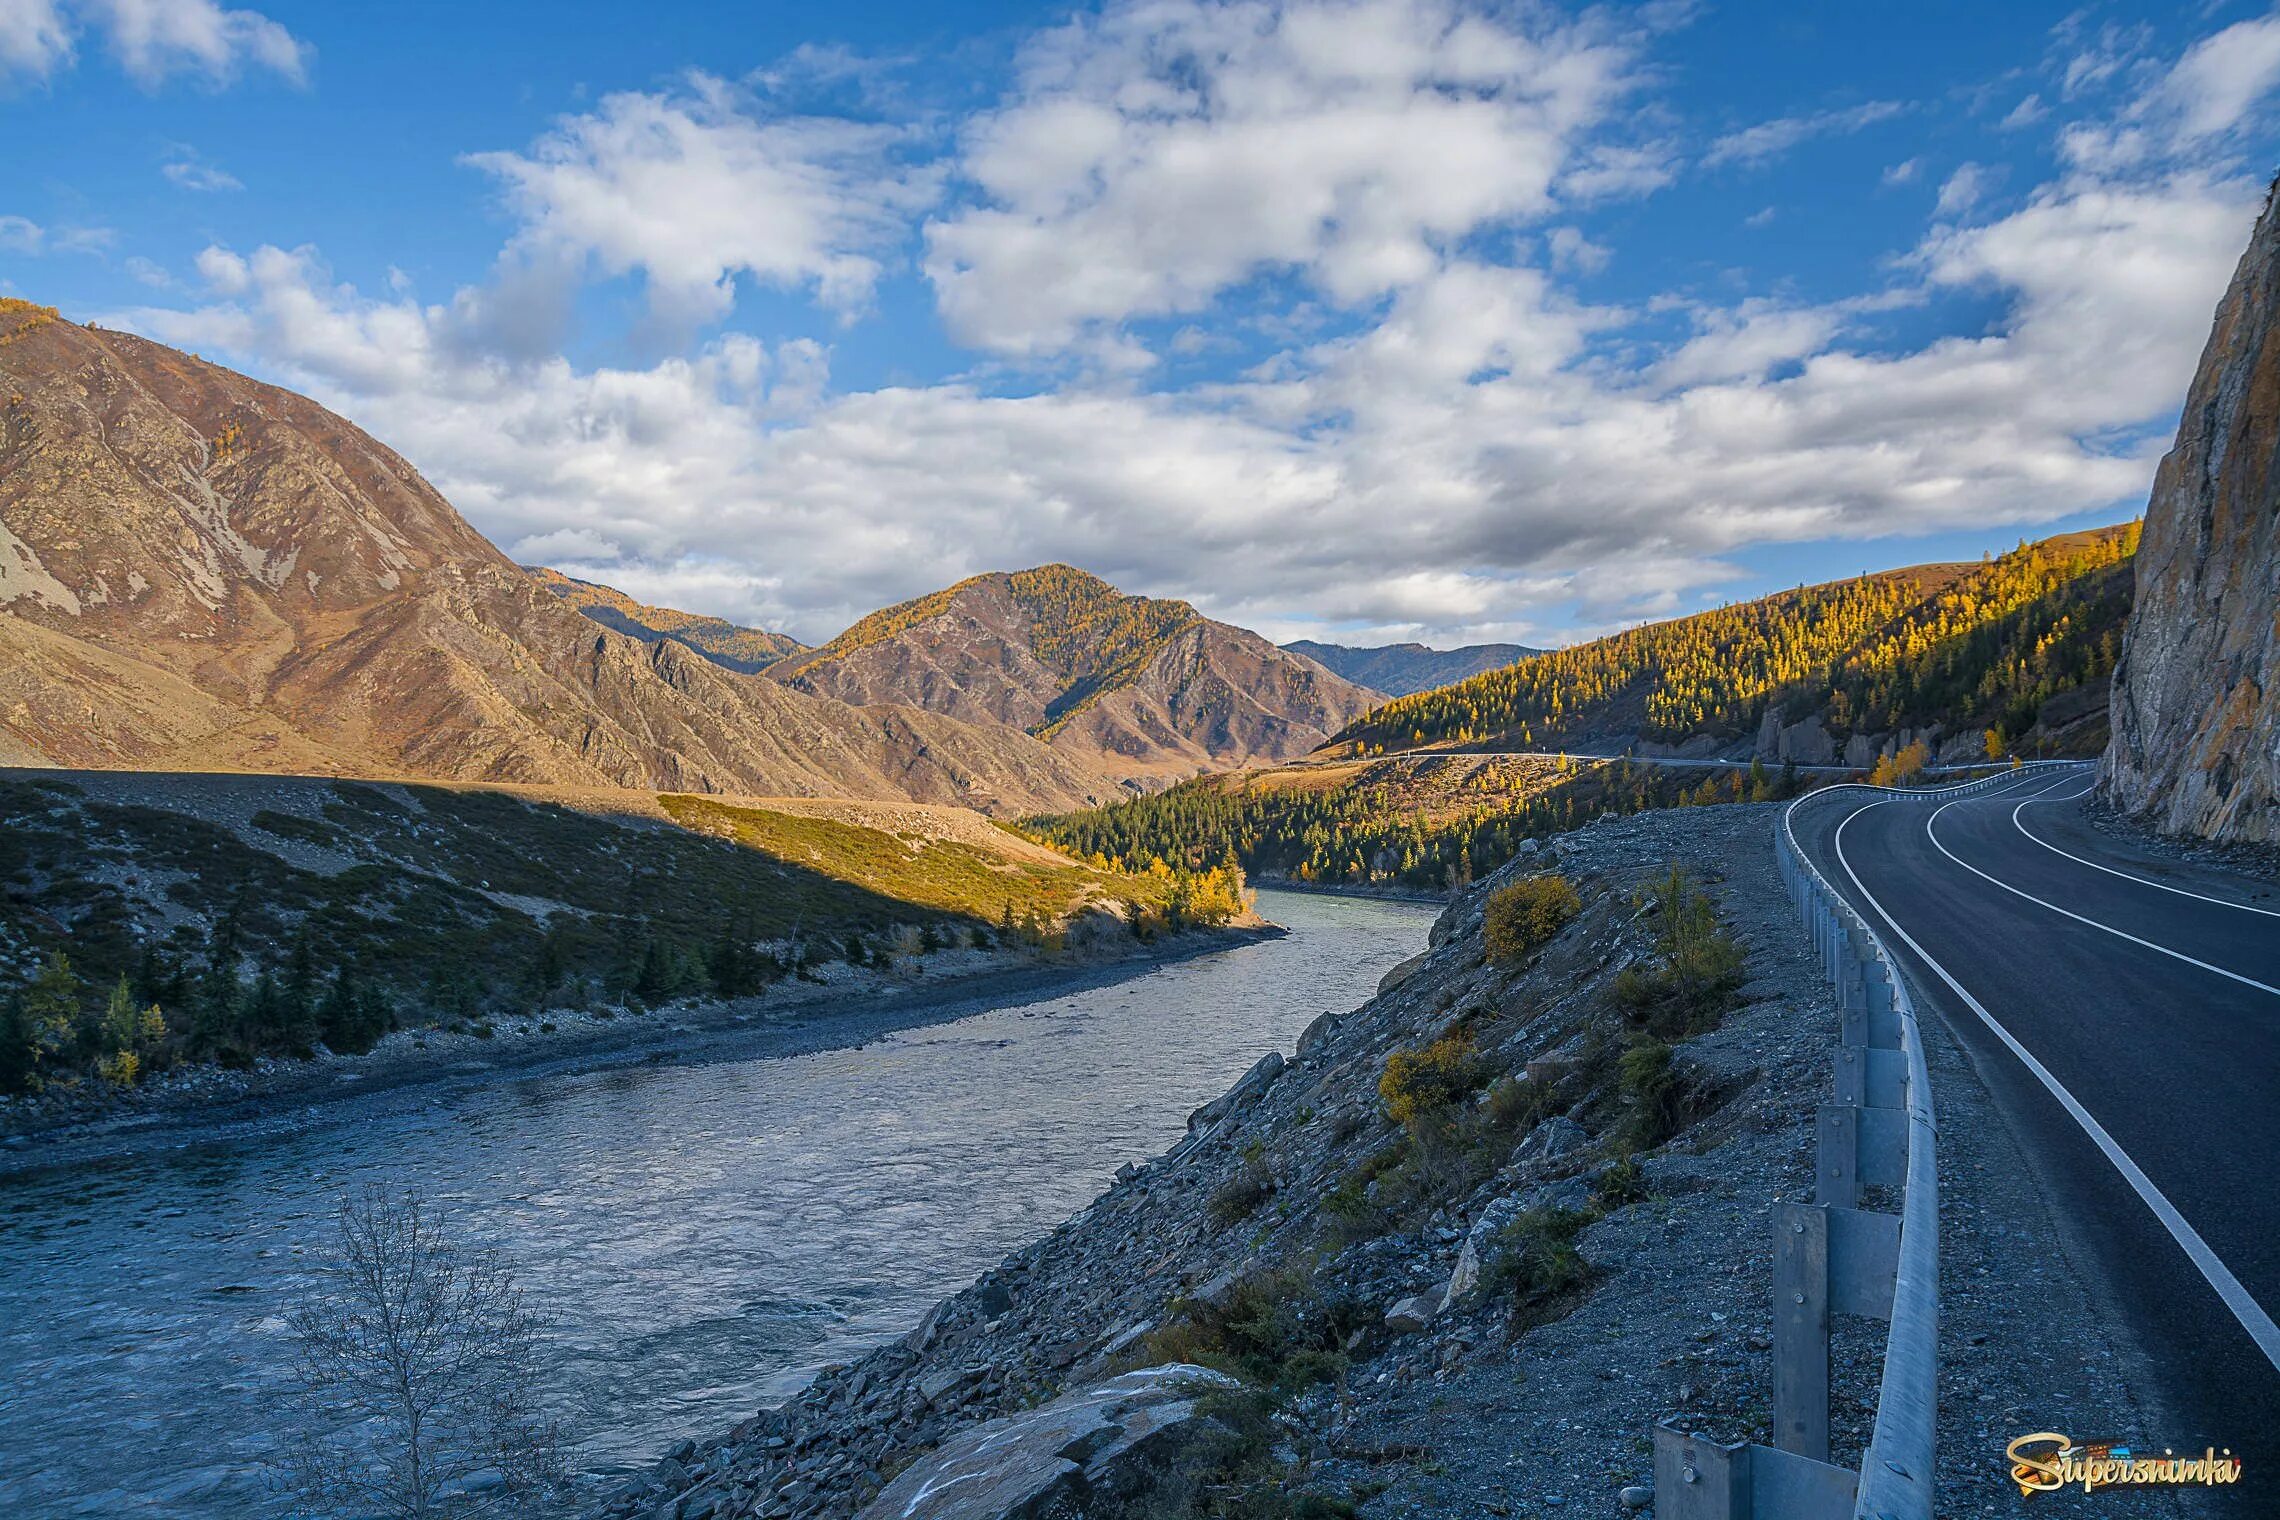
pixel 250 582
pixel 1403 670
pixel 1840 672
pixel 1146 688
pixel 733 646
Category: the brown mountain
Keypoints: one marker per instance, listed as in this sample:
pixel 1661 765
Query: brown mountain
pixel 2196 705
pixel 199 571
pixel 727 644
pixel 1149 689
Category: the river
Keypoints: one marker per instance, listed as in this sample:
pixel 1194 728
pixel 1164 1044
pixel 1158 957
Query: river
pixel 701 1236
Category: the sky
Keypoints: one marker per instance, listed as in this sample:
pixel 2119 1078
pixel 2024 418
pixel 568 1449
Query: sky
pixel 1363 320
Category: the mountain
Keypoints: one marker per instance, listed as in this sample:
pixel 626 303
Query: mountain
pixel 1402 670
pixel 1148 689
pixel 729 645
pixel 199 571
pixel 2196 702
pixel 2021 644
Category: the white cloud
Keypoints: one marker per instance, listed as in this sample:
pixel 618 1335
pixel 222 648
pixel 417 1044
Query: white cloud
pixel 2221 79
pixel 184 166
pixel 1962 190
pixel 1469 442
pixel 2025 114
pixel 1905 172
pixel 35 39
pixel 1160 153
pixel 149 272
pixel 1570 249
pixel 1771 139
pixel 695 187
pixel 151 39
pixel 20 234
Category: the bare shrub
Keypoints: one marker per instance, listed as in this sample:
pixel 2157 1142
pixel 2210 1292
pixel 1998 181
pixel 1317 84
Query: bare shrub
pixel 418 1374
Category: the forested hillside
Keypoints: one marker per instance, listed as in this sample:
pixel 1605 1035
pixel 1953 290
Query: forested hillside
pixel 1969 648
pixel 1430 824
pixel 146 921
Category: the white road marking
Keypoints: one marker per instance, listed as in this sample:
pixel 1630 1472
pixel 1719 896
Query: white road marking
pixel 2237 1298
pixel 2145 881
pixel 1932 834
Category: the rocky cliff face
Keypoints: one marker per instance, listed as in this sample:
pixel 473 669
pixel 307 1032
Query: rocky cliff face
pixel 198 571
pixel 2196 706
pixel 1144 688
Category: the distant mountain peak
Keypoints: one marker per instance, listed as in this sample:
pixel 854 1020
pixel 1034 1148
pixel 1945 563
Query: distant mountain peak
pixel 1401 670
pixel 1145 686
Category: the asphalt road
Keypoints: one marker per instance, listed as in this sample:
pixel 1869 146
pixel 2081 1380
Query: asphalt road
pixel 2148 991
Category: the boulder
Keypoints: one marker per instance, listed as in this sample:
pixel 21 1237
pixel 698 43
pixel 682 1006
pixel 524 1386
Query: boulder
pixel 1555 1137
pixel 1412 1314
pixel 1083 1449
pixel 1248 1089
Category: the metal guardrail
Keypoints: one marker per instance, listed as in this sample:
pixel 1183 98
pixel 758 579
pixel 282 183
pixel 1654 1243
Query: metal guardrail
pixel 1833 1257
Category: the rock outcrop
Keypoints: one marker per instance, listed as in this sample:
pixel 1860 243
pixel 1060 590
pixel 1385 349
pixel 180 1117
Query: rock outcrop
pixel 2196 701
pixel 202 572
pixel 1088 1447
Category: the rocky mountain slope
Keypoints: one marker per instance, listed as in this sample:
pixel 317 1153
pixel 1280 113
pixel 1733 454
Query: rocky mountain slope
pixel 2196 701
pixel 730 645
pixel 2022 643
pixel 1147 689
pixel 1401 670
pixel 199 571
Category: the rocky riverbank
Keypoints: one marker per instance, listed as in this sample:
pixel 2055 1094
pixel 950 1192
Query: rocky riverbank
pixel 1307 1308
pixel 841 1008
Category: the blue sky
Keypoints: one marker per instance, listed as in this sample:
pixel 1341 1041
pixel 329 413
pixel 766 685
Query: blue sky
pixel 1364 320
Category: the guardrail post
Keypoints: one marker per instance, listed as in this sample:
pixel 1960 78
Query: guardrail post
pixel 1800 1331
pixel 1836 1156
pixel 1700 1479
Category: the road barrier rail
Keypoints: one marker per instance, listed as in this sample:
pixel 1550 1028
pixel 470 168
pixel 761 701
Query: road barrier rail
pixel 1833 1256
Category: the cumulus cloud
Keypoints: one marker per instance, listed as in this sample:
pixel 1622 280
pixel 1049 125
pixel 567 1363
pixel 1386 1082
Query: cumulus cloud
pixel 151 39
pixel 1470 439
pixel 35 38
pixel 694 187
pixel 1770 139
pixel 1158 154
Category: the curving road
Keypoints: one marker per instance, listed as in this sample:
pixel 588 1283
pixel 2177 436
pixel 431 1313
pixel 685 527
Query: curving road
pixel 2124 1011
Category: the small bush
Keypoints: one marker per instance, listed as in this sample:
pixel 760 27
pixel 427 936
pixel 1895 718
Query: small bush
pixel 1420 1082
pixel 1620 1183
pixel 1539 1259
pixel 1525 915
pixel 1652 1096
pixel 1697 972
pixel 1239 1197
pixel 1269 1329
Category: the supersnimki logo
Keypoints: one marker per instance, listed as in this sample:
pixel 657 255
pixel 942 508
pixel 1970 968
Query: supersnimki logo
pixel 2046 1461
